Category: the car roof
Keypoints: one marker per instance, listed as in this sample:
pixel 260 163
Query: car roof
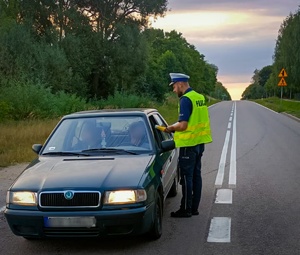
pixel 125 111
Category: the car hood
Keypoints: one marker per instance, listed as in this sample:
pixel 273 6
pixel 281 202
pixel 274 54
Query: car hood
pixel 57 173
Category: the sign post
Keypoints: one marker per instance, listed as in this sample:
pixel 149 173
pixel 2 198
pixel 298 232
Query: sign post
pixel 282 83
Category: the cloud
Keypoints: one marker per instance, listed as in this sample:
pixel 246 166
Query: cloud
pixel 236 43
pixel 274 7
pixel 221 26
pixel 238 36
pixel 238 59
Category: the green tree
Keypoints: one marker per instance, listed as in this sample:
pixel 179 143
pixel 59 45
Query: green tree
pixel 253 91
pixel 264 74
pixel 129 56
pixel 106 18
pixel 170 52
pixel 287 53
pixel 220 92
pixel 95 48
pixel 261 84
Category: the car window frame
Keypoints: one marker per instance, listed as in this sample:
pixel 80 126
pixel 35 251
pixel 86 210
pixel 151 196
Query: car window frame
pixel 156 119
pixel 68 140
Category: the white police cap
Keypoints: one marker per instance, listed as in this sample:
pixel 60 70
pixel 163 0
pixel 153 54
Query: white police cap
pixel 175 77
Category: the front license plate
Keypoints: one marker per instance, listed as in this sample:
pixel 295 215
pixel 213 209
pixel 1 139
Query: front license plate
pixel 69 222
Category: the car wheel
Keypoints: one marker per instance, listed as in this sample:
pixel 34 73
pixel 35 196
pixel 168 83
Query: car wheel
pixel 156 230
pixel 174 189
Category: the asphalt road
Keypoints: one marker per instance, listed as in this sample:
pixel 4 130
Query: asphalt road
pixel 252 171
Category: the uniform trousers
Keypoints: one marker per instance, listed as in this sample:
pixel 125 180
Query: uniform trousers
pixel 190 173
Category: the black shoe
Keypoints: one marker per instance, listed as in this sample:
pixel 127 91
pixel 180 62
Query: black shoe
pixel 181 214
pixel 195 213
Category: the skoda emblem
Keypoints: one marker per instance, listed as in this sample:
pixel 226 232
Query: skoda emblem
pixel 69 195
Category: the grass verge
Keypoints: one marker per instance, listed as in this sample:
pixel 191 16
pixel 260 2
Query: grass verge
pixel 17 137
pixel 287 106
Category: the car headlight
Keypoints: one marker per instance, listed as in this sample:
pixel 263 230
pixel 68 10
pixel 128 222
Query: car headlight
pixel 22 198
pixel 125 196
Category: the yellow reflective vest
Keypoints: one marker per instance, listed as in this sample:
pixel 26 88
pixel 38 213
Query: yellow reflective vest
pixel 198 130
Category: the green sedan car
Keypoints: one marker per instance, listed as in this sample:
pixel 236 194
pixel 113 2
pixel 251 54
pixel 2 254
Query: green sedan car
pixel 99 173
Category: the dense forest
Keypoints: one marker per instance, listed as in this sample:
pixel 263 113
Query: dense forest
pixel 286 55
pixel 90 50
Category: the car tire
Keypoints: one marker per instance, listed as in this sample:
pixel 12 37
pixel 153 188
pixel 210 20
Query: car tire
pixel 174 189
pixel 156 229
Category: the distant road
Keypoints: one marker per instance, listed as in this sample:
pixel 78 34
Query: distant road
pixel 250 203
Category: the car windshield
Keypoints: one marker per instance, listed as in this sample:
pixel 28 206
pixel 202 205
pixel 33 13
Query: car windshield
pixel 100 135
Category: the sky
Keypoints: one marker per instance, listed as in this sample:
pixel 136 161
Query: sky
pixel 238 36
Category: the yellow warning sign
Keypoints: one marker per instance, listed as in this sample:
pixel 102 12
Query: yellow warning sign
pixel 282 74
pixel 282 83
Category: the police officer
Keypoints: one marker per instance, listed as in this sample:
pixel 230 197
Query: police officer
pixel 192 131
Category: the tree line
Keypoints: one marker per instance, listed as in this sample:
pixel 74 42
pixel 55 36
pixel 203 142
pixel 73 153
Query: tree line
pixel 286 55
pixel 93 49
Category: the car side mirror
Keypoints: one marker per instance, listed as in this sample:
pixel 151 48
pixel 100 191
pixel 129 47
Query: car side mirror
pixel 167 145
pixel 37 148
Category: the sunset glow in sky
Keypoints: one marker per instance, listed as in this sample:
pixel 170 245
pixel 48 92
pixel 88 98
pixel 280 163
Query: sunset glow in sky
pixel 238 36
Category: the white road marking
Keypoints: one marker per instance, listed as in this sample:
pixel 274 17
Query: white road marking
pixel 220 227
pixel 224 196
pixel 232 170
pixel 219 230
pixel 2 209
pixel 265 107
pixel 220 175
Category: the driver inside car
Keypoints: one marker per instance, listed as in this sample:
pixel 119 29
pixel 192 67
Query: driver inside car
pixel 137 135
pixel 91 137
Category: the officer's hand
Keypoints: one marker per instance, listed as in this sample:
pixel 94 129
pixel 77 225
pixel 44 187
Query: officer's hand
pixel 164 129
pixel 167 130
pixel 160 128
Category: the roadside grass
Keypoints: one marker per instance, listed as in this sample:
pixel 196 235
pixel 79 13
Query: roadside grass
pixel 17 137
pixel 287 106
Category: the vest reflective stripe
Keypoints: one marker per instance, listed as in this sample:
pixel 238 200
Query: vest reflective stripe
pixel 195 127
pixel 198 130
pixel 192 136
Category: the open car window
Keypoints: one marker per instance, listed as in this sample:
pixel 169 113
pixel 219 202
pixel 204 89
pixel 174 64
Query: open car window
pixel 127 133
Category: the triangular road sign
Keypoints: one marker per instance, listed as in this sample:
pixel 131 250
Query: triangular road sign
pixel 282 83
pixel 282 74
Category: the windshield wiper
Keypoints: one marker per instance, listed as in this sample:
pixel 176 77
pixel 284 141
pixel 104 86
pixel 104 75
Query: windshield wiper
pixel 65 153
pixel 110 150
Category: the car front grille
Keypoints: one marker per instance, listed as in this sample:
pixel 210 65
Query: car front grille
pixel 80 199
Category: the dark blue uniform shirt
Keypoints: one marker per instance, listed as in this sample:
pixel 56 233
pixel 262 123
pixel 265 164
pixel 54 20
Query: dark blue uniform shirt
pixel 185 107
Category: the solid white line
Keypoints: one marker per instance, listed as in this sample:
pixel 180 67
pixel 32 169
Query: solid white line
pixel 232 170
pixel 219 230
pixel 220 175
pixel 224 196
pixel 2 209
pixel 265 107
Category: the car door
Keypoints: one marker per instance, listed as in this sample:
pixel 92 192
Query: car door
pixel 170 158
